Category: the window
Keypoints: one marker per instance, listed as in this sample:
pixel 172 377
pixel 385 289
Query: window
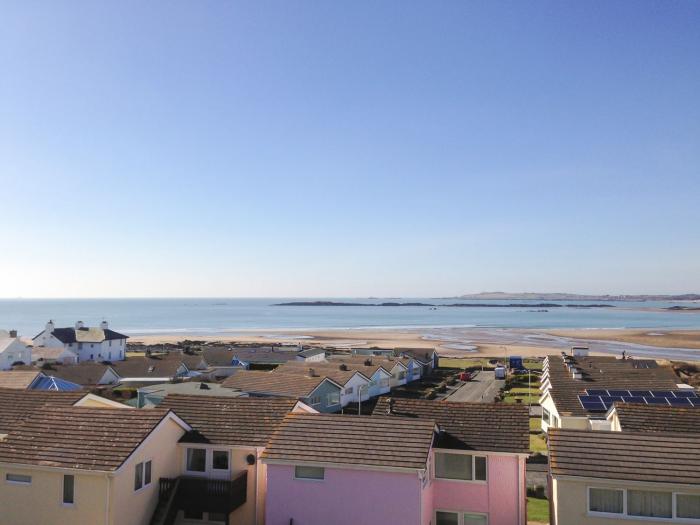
pixel 649 504
pixel 460 466
pixel 446 518
pixel 545 415
pixel 475 519
pixel 196 459
pixel 315 400
pixel 142 475
pixel 402 375
pixel 68 489
pixel 317 473
pixel 219 460
pixel 688 506
pixel 10 357
pixel 109 355
pixel 18 478
pixel 349 390
pixel 605 500
pixel 333 398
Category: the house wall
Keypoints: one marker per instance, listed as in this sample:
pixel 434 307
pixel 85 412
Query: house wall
pixel 15 351
pixel 130 507
pixel 356 382
pixel 344 497
pixel 377 389
pixel 322 391
pixel 100 351
pixel 41 501
pixel 570 501
pixel 502 496
pixel 395 374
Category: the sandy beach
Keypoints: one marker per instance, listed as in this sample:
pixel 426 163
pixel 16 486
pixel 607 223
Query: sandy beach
pixel 477 342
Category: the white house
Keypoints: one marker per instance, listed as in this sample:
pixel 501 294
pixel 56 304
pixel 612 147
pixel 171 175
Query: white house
pixel 312 355
pixel 12 350
pixel 83 342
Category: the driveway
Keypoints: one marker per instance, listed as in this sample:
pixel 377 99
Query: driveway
pixel 482 389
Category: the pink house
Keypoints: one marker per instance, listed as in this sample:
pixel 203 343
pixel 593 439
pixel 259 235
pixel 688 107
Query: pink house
pixel 413 462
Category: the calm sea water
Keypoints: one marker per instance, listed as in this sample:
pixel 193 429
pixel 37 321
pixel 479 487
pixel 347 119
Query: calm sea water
pixel 222 316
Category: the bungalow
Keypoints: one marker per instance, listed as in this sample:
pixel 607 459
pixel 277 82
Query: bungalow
pixel 355 385
pixel 84 343
pixel 155 368
pixel 109 477
pixel 478 467
pixel 570 383
pixel 312 355
pixel 153 395
pixel 601 477
pixel 19 379
pixel 427 357
pixel 632 417
pixel 12 350
pixel 321 393
pixel 227 439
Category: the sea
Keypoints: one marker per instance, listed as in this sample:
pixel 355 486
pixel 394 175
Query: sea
pixel 217 316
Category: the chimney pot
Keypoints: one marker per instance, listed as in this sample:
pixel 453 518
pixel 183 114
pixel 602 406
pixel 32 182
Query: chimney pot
pixel 13 333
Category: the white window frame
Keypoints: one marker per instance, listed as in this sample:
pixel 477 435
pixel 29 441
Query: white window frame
pixel 207 462
pixel 460 453
pixel 142 466
pixel 310 479
pixel 460 515
pixel 18 482
pixel 228 460
pixel 626 516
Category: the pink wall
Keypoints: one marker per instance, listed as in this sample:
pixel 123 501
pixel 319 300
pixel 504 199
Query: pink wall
pixel 502 498
pixel 344 497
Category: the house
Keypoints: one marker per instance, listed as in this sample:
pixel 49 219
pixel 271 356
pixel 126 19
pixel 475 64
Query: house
pixel 87 373
pixel 12 350
pixel 79 464
pixel 409 369
pixel 633 417
pixel 312 355
pixel 227 439
pixel 572 386
pixel 345 470
pixel 84 343
pixel 42 355
pixel 355 385
pixel 427 357
pixel 19 379
pixel 155 368
pixel 320 393
pixel 153 395
pixel 602 477
pixel 44 382
pixel 479 456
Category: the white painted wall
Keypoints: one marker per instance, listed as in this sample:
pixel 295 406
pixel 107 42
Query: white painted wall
pixel 15 351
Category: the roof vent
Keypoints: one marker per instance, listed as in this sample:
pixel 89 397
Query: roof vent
pixel 368 362
pixel 203 386
pixel 312 372
pixel 343 366
pixel 390 407
pixel 576 373
pixel 13 333
pixel 79 325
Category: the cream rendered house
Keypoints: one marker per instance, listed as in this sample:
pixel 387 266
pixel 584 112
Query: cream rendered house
pixel 87 465
pixel 615 478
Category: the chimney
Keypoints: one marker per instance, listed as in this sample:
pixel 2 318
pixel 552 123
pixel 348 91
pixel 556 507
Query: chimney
pixel 343 366
pixel 104 325
pixel 79 325
pixel 312 372
pixel 368 362
pixel 390 408
pixel 50 326
pixel 13 333
pixel 576 373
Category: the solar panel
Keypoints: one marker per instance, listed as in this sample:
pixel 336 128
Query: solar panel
pixel 685 393
pixel 594 407
pixel 656 400
pixel 619 393
pixel 597 392
pixel 679 402
pixel 695 401
pixel 662 393
pixel 589 399
pixel 640 393
pixel 634 399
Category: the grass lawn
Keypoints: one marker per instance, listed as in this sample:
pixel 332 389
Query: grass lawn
pixel 537 443
pixel 525 399
pixel 451 362
pixel 535 423
pixel 521 390
pixel 538 510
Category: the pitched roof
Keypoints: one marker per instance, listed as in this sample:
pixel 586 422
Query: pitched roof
pixel 157 365
pixel 6 341
pixel 272 355
pixel 55 383
pixel 603 372
pixel 273 383
pixel 19 379
pixel 331 371
pixel 468 426
pixel 79 437
pixel 17 404
pixel 85 373
pixel 424 355
pixel 636 417
pixel 86 335
pixel 628 456
pixel 229 420
pixel 310 352
pixel 47 352
pixel 352 440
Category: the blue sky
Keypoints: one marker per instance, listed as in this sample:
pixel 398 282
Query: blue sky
pixel 348 148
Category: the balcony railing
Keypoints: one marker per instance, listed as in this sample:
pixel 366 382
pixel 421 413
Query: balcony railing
pixel 198 495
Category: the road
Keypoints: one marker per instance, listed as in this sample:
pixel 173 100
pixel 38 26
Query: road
pixel 482 389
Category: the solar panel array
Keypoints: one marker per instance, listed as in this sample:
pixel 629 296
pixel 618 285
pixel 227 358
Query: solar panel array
pixel 602 400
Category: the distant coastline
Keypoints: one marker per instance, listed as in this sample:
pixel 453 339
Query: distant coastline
pixel 455 305
pixel 537 296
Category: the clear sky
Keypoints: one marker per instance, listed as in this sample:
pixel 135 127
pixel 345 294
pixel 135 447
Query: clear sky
pixel 309 148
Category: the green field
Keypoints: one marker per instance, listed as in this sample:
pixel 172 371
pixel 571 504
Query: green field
pixel 537 444
pixel 538 510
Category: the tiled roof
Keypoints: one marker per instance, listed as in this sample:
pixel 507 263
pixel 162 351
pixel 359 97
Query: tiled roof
pixel 310 352
pixel 273 383
pixel 604 372
pixel 229 420
pixel 86 335
pixel 47 352
pixel 468 426
pixel 628 456
pixel 164 365
pixel 78 437
pixel 424 355
pixel 368 365
pixel 17 379
pixel 331 371
pixel 370 441
pixel 86 373
pixel 17 404
pixel 273 355
pixel 635 417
